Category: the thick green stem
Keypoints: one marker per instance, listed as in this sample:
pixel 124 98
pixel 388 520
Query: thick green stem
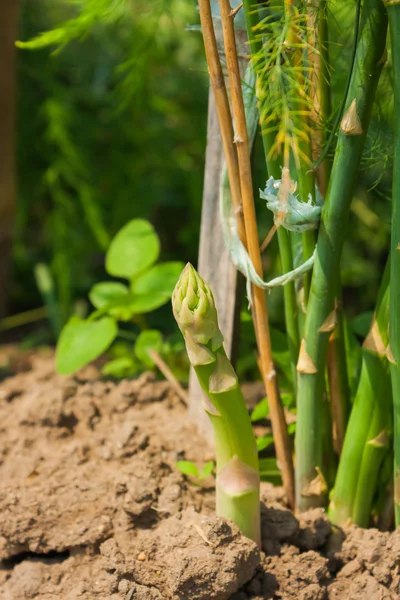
pixel 373 394
pixel 378 441
pixel 343 179
pixel 393 9
pixel 336 360
pixel 238 481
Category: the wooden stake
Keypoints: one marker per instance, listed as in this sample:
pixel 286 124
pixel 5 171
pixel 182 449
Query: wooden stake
pixel 223 110
pixel 281 437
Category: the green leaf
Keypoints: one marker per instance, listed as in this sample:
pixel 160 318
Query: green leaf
pixel 288 399
pixel 160 278
pixel 135 248
pixel 260 411
pixel 120 367
pixel 187 467
pixel 147 341
pixel 113 297
pixel 207 470
pixel 147 302
pixel 269 471
pixel 81 342
pixel 264 442
pixel 105 292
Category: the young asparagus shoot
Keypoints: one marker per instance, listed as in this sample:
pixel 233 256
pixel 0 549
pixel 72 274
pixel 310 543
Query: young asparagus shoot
pixel 237 483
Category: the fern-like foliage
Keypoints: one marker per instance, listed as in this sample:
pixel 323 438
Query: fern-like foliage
pixel 89 12
pixel 285 77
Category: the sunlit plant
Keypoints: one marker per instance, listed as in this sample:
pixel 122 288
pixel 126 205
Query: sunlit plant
pixel 143 285
pixel 344 395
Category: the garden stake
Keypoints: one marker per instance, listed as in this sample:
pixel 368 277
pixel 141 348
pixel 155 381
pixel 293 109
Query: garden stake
pixel 274 168
pixel 223 109
pixel 281 437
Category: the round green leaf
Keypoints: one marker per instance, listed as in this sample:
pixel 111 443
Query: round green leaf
pixel 145 303
pixel 146 341
pixel 114 297
pixel 135 248
pixel 160 279
pixel 105 292
pixel 81 342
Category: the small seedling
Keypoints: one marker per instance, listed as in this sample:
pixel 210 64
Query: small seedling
pixel 132 256
pixel 196 476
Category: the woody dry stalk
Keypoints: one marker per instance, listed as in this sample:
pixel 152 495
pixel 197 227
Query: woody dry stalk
pixel 281 437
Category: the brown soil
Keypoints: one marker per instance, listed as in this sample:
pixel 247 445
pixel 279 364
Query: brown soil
pixel 92 507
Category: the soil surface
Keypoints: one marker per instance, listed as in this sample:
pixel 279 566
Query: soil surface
pixel 92 506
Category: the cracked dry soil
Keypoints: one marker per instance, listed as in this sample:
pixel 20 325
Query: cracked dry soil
pixel 92 507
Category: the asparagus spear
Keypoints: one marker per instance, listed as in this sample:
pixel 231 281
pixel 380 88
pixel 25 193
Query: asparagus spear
pixel 237 485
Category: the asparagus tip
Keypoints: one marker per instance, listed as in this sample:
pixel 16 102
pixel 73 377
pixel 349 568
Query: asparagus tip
pixel 194 309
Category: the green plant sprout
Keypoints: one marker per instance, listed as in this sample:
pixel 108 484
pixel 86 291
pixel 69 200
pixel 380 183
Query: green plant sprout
pixel 195 475
pixel 237 483
pixel 131 256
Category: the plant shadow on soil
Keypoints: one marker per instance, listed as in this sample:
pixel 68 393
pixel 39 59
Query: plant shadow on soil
pixel 92 506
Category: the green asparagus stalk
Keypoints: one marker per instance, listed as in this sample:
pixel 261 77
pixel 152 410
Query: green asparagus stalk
pixel 237 484
pixel 310 481
pixel 393 8
pixel 368 426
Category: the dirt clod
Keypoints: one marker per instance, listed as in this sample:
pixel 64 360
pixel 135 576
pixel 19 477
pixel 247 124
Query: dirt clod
pixel 92 507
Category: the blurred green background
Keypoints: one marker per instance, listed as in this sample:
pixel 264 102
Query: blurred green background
pixel 109 128
pixel 111 125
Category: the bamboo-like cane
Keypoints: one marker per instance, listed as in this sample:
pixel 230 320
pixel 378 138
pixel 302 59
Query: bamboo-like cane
pixel 223 109
pixel 281 437
pixel 310 484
